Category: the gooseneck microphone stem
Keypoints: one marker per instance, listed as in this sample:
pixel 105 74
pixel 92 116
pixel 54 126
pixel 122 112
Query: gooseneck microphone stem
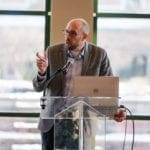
pixel 43 98
pixel 50 79
pixel 64 70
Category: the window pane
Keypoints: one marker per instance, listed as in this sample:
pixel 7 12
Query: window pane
pixel 127 44
pixel 19 134
pixel 124 6
pixel 115 133
pixel 21 37
pixel 22 4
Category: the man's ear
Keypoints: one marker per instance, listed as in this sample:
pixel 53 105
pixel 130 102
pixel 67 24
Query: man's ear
pixel 85 36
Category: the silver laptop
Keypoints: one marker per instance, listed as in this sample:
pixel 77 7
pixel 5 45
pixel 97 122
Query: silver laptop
pixel 103 92
pixel 96 86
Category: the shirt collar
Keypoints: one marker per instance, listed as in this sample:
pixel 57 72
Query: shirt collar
pixel 81 55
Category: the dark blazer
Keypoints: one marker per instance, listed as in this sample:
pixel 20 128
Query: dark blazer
pixel 95 63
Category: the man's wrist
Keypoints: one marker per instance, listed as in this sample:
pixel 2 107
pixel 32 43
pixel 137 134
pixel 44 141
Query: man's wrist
pixel 40 76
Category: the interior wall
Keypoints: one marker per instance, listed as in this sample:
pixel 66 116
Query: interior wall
pixel 65 10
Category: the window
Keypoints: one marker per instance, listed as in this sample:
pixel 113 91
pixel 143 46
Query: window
pixel 23 26
pixel 23 5
pixel 124 6
pixel 123 29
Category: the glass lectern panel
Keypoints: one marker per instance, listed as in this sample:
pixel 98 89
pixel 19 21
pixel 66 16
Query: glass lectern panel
pixel 79 122
pixel 77 126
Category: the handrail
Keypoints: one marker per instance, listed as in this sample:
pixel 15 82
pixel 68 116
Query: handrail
pixel 19 114
pixel 37 114
pixel 139 117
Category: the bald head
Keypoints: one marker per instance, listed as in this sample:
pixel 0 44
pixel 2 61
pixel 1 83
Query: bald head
pixel 76 34
pixel 80 23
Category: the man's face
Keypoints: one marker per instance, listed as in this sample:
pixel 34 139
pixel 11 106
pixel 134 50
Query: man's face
pixel 74 36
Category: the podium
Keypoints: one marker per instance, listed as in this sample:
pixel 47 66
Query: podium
pixel 79 121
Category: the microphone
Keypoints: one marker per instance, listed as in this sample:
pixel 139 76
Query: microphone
pixel 67 66
pixel 64 70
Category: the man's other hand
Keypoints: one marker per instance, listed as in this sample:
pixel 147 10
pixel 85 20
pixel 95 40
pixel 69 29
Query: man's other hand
pixel 120 115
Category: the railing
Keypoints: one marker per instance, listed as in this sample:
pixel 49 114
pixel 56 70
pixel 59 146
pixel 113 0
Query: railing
pixel 35 114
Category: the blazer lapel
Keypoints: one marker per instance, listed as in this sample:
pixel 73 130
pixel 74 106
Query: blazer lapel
pixel 87 59
pixel 62 56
